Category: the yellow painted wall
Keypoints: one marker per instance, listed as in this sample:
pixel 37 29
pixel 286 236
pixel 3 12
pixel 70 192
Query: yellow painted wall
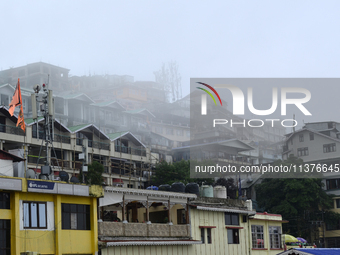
pixel 57 241
pixel 265 225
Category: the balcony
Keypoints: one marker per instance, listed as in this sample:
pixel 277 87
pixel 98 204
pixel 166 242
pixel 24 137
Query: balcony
pixel 11 130
pixel 119 229
pixel 130 150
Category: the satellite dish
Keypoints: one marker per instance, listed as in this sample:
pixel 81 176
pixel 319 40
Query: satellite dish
pixel 30 174
pixel 74 179
pixel 43 177
pixel 63 176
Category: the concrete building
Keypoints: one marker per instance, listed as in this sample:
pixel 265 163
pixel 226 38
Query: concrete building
pixel 46 217
pixel 319 143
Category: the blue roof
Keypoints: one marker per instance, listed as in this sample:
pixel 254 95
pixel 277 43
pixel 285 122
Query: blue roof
pixel 320 251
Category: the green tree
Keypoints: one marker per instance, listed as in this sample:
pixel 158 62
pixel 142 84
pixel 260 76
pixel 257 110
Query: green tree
pixel 300 201
pixel 168 173
pixel 94 174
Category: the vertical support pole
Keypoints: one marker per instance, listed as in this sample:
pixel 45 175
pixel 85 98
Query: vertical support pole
pixel 169 212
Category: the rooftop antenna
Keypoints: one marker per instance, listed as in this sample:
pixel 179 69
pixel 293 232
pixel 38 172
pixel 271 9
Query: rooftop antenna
pixel 47 111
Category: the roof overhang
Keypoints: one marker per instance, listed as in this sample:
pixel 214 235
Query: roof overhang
pixel 131 137
pixel 219 209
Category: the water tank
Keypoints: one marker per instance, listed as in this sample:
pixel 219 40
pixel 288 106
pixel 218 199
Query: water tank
pixel 220 192
pixel 178 187
pixel 207 191
pixel 192 188
pixel 164 187
pixel 63 176
pixel 152 187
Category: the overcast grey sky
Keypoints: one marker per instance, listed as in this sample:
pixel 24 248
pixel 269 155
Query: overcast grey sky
pixel 207 39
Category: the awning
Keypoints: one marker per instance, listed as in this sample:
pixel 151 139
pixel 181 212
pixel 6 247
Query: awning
pixel 215 209
pixel 110 199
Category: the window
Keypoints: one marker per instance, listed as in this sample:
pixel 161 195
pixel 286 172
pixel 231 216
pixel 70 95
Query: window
pixel 233 236
pixel 169 131
pixel 257 236
pixel 302 151
pixel 275 237
pixel 35 214
pixel 231 219
pixel 332 184
pixel 180 132
pixel 311 136
pixel 209 237
pixel 331 147
pixel 75 217
pixel 4 200
pixel 130 186
pixel 5 234
pixel 301 137
pixel 337 203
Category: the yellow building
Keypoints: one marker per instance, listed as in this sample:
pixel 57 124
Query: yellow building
pixel 47 217
pixel 227 226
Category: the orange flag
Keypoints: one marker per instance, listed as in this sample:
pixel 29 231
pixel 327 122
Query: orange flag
pixel 21 120
pixel 16 99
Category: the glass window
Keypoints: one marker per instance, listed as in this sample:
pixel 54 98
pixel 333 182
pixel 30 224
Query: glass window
pixel 311 136
pixel 337 202
pixel 257 236
pixel 329 147
pixel 202 235
pixel 275 237
pixel 4 200
pixel 5 237
pixel 301 137
pixel 232 219
pixel 35 214
pixel 233 236
pixel 75 217
pixel 209 235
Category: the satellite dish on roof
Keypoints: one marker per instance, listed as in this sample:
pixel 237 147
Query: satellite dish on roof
pixel 74 179
pixel 63 176
pixel 30 174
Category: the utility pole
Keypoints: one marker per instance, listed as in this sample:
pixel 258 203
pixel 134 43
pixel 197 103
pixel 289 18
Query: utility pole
pixel 47 111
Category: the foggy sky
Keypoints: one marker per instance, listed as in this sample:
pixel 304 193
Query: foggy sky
pixel 207 39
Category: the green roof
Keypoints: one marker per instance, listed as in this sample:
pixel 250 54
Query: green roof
pixel 29 121
pixel 106 103
pixel 76 128
pixel 136 111
pixel 116 135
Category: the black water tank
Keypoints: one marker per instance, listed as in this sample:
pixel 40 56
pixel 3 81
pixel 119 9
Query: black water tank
pixel 63 176
pixel 192 188
pixel 164 187
pixel 74 179
pixel 178 187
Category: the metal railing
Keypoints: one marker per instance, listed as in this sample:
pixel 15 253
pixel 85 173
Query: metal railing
pixel 62 138
pixel 11 130
pixel 99 145
pixel 130 150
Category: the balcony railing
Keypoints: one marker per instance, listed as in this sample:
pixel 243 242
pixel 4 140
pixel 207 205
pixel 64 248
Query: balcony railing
pixel 119 229
pixel 11 130
pixel 130 150
pixel 62 139
pixel 55 162
pixel 99 145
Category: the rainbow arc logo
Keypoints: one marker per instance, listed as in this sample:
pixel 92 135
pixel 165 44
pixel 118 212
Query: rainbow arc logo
pixel 209 93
